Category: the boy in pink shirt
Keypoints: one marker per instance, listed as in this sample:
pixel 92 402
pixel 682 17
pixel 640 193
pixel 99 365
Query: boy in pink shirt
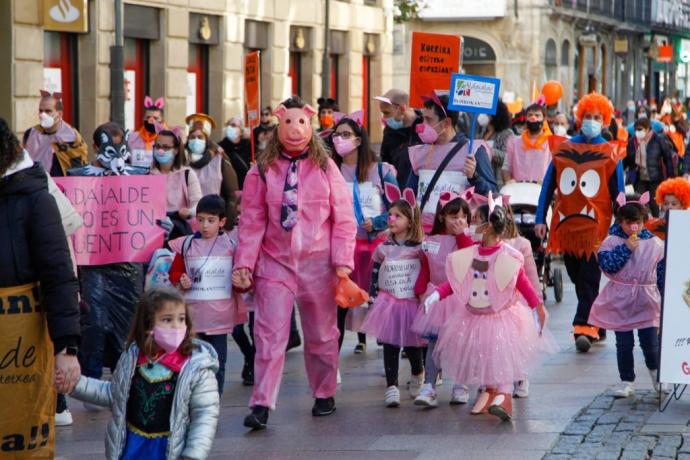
pixel 528 155
pixel 202 269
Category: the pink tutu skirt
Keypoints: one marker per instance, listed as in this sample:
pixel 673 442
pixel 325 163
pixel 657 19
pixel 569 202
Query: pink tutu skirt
pixel 491 349
pixel 427 325
pixel 390 321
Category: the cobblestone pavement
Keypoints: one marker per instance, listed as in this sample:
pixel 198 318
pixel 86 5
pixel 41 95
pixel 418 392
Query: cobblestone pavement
pixel 626 429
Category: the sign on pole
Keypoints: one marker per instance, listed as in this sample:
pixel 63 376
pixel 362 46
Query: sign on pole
pixel 252 92
pixel 473 94
pixel 435 57
pixel 119 214
pixel 674 366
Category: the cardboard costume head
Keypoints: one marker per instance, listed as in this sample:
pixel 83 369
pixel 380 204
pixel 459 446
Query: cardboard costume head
pixel 294 128
pixel 583 208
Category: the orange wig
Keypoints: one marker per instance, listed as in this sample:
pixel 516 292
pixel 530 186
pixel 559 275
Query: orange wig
pixel 592 102
pixel 678 187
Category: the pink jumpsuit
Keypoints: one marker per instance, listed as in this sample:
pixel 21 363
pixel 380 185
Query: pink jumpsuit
pixel 296 265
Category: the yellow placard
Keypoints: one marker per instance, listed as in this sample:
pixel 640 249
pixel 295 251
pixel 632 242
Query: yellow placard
pixel 66 15
pixel 27 397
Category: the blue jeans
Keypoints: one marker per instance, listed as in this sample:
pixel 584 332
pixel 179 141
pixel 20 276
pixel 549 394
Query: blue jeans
pixel 220 344
pixel 625 341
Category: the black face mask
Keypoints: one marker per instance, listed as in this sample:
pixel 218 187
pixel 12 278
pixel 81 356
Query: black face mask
pixel 534 127
pixel 150 127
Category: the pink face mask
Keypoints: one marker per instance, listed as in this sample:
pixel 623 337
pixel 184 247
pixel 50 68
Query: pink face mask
pixel 168 339
pixel 635 228
pixel 294 129
pixel 427 133
pixel 344 147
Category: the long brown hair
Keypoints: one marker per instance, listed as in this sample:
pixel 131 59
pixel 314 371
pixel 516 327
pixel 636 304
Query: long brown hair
pixel 318 152
pixel 150 302
pixel 415 234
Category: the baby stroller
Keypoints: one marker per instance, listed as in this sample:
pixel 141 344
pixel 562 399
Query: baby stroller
pixel 524 199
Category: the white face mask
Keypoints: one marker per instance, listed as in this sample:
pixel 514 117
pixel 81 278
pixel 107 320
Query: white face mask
pixel 196 157
pixel 640 134
pixel 47 121
pixel 560 130
pixel 483 120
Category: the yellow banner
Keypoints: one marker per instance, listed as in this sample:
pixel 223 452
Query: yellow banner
pixel 27 397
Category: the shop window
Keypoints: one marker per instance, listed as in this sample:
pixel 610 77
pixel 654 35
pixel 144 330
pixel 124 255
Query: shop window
pixel 565 53
pixel 60 71
pixel 197 79
pixel 296 73
pixel 136 80
pixel 334 90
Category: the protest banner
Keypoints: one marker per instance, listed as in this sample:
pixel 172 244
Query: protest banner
pixel 674 362
pixel 27 372
pixel 435 57
pixel 252 92
pixel 119 214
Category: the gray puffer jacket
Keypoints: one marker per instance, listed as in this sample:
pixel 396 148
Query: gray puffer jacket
pixel 194 413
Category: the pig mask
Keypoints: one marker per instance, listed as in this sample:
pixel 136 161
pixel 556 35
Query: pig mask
pixel 294 129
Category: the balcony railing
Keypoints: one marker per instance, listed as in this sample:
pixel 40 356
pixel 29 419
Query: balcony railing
pixel 635 11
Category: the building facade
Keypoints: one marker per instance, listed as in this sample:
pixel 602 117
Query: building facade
pixel 190 52
pixel 610 46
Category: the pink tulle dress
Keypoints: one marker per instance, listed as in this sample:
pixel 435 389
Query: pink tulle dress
pixel 392 313
pixel 491 336
pixel 436 248
pixel 631 299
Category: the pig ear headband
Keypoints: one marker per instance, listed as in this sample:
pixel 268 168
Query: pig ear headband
pixel 493 204
pixel 447 197
pixel 357 117
pixel 149 104
pixel 393 194
pixel 644 199
pixel 55 95
pixel 434 98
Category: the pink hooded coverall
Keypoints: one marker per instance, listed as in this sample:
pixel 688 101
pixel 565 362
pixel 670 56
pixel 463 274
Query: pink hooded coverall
pixel 296 265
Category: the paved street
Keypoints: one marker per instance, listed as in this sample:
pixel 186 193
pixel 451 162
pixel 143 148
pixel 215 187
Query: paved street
pixel 363 428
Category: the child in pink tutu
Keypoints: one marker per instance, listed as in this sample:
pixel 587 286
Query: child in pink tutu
pixel 448 234
pixel 632 259
pixel 397 264
pixel 490 339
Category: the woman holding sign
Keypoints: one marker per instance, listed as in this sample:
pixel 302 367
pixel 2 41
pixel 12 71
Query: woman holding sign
pixel 366 177
pixel 442 163
pixel 39 344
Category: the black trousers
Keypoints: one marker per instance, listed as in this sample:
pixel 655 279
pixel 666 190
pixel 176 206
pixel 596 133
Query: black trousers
pixel 391 362
pixel 586 275
pixel 342 315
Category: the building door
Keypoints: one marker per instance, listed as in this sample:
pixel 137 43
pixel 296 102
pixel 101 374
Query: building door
pixel 60 71
pixel 136 81
pixel 197 79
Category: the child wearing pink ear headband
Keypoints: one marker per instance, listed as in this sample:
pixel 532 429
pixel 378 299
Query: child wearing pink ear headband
pixel 632 258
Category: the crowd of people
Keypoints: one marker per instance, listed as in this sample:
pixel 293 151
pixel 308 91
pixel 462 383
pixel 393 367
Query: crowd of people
pixel 287 212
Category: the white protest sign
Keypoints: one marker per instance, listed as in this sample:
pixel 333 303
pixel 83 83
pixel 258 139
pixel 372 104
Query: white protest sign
pixel 675 313
pixel 398 277
pixel 211 278
pixel 369 199
pixel 448 181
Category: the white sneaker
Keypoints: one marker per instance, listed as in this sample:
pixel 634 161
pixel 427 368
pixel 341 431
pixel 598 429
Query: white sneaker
pixel 652 374
pixel 624 390
pixel 392 396
pixel 415 385
pixel 338 380
pixel 63 418
pixel 460 395
pixel 439 379
pixel 427 397
pixel 521 389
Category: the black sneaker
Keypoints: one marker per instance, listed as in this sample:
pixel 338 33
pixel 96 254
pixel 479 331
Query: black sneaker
pixel 248 373
pixel 294 341
pixel 360 348
pixel 257 419
pixel 323 407
pixel 583 343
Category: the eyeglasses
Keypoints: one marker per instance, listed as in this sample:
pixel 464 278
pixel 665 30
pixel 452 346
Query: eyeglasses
pixel 344 135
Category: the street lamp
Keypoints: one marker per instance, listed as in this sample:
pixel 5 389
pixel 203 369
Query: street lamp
pixel 325 62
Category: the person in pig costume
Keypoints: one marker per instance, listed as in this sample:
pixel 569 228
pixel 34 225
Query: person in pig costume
pixel 296 233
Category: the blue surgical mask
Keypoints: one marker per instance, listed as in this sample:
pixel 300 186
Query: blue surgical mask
pixel 164 157
pixel 197 146
pixel 392 123
pixel 231 133
pixel 591 128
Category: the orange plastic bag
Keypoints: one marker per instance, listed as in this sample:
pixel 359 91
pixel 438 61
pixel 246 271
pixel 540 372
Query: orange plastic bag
pixel 348 294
